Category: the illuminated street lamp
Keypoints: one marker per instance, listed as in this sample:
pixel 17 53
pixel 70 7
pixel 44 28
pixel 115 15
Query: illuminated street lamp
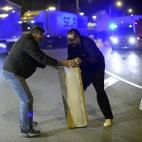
pixel 130 10
pixel 119 4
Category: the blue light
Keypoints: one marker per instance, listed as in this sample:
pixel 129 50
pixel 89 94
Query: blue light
pixel 132 40
pixel 114 40
pixel 32 21
pixel 30 114
pixel 130 26
pixel 112 26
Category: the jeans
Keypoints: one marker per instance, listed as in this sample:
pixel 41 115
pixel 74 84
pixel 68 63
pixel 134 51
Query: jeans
pixel 21 89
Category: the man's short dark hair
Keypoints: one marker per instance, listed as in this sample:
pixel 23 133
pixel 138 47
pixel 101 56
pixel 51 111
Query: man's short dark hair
pixel 37 29
pixel 75 32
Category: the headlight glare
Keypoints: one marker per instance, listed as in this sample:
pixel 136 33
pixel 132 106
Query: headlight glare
pixel 132 40
pixel 114 40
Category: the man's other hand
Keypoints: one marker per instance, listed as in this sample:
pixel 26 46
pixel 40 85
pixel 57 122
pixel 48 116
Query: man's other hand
pixel 70 63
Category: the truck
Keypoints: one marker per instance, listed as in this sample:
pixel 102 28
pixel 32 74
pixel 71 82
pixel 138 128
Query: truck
pixel 56 24
pixel 125 36
pixel 10 29
pixel 121 32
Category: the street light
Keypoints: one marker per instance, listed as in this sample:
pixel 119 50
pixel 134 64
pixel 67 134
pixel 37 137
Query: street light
pixel 130 10
pixel 118 4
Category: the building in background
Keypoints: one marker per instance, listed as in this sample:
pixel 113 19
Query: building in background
pixel 10 29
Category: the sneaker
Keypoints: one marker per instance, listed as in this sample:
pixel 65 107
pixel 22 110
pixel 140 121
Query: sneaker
pixel 30 133
pixel 34 123
pixel 108 122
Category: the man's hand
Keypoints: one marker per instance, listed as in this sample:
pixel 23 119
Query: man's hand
pixel 70 63
pixel 78 61
pixel 75 62
pixel 66 63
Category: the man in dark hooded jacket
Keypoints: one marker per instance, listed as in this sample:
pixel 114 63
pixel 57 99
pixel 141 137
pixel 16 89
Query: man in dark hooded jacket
pixel 92 67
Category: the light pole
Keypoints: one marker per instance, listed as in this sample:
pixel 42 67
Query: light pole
pixel 77 6
pixel 58 4
pixel 118 4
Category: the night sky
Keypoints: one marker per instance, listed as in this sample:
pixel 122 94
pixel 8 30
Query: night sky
pixel 90 7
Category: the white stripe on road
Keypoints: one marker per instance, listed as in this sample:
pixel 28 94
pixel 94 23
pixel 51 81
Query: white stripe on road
pixel 119 78
pixel 109 81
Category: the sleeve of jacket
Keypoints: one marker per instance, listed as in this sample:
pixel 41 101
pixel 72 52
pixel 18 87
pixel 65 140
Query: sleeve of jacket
pixel 91 52
pixel 69 56
pixel 33 50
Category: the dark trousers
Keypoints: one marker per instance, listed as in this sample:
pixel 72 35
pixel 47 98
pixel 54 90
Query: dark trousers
pixel 96 77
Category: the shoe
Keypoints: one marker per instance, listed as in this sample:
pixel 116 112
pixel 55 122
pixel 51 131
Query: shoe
pixel 108 122
pixel 34 123
pixel 30 133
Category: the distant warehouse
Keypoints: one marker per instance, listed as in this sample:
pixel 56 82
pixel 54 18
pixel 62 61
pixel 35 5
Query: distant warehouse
pixel 10 14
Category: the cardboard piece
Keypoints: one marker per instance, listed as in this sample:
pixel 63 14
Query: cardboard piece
pixel 73 97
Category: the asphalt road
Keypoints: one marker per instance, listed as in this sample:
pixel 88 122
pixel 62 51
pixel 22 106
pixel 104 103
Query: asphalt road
pixel 123 86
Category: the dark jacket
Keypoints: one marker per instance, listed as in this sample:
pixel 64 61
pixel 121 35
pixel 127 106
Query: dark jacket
pixel 25 56
pixel 88 52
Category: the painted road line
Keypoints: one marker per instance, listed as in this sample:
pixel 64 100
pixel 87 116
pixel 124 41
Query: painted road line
pixel 109 81
pixel 119 78
pixel 140 107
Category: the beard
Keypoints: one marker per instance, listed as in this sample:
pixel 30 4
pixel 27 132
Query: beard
pixel 75 45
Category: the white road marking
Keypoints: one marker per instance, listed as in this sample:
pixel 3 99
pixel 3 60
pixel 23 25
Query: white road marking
pixel 119 78
pixel 140 107
pixel 109 81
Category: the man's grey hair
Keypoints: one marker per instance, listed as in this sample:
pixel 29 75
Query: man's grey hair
pixel 75 32
pixel 37 29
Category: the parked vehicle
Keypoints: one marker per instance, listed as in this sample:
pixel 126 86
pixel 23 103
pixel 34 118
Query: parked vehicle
pixel 124 37
pixel 10 29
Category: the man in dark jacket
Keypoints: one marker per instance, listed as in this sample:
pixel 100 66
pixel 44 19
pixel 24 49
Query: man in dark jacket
pixel 22 61
pixel 92 67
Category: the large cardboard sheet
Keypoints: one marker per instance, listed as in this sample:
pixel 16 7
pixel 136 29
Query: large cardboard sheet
pixel 73 97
